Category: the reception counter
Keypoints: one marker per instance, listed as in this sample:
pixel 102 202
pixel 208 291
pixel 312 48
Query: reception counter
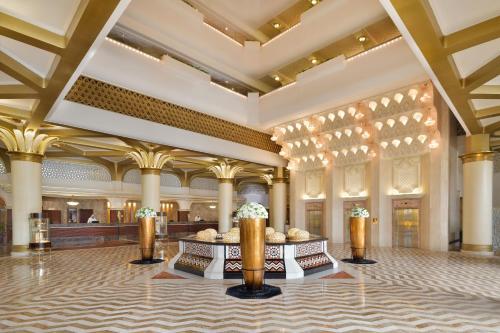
pixel 221 260
pixel 81 234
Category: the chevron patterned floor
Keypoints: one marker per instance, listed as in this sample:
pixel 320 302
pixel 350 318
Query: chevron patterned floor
pixel 96 290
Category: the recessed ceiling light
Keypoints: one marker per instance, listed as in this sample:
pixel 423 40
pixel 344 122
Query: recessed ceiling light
pixel 362 39
pixel 314 2
pixel 226 82
pixel 314 61
pixel 226 28
pixel 277 78
pixel 276 25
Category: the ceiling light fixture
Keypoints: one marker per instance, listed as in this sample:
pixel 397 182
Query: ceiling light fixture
pixel 362 39
pixel 277 78
pixel 314 61
pixel 72 202
pixel 276 25
pixel 314 2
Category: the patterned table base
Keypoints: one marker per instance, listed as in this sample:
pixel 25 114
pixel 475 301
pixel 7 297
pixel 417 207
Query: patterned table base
pixel 192 263
pixel 314 263
pixel 275 269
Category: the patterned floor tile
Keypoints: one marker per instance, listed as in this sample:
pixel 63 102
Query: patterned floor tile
pixel 97 290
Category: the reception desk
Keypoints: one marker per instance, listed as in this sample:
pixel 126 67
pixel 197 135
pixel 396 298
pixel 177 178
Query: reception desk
pixel 83 234
pixel 221 260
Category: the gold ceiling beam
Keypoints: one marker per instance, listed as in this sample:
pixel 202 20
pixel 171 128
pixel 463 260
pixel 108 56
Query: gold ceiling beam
pixel 103 153
pixel 493 127
pixel 186 153
pixel 94 17
pixel 96 144
pixel 488 112
pixel 472 36
pixel 17 91
pixel 419 19
pixel 482 75
pixel 21 73
pixel 30 34
pixel 484 96
pixel 69 132
pixel 14 112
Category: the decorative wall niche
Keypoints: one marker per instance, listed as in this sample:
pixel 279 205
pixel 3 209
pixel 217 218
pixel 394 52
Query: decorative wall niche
pixel 354 180
pixel 406 175
pixel 314 183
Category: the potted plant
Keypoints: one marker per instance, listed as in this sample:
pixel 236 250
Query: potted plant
pixel 146 218
pixel 252 217
pixel 357 231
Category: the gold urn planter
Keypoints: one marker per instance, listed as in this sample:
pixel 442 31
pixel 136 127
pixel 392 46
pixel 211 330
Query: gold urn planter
pixel 147 233
pixel 253 260
pixel 147 238
pixel 252 217
pixel 357 233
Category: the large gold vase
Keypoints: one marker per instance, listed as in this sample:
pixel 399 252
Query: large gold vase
pixel 357 232
pixel 252 242
pixel 147 237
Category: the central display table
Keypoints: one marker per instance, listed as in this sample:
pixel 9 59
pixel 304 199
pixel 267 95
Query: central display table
pixel 222 260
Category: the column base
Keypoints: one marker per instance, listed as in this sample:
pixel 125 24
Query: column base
pixel 20 251
pixel 482 250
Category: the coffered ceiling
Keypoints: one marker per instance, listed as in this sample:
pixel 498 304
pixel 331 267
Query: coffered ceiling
pixel 458 41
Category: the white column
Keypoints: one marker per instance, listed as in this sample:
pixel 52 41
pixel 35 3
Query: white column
pixel 26 173
pixel 270 203
pixel 150 180
pixel 279 205
pixel 225 204
pixel 477 202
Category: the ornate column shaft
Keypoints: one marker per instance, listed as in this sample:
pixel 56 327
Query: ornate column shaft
pixel 225 173
pixel 150 164
pixel 478 195
pixel 25 150
pixel 278 209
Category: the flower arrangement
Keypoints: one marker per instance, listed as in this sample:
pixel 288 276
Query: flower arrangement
pixel 357 211
pixel 145 212
pixel 252 210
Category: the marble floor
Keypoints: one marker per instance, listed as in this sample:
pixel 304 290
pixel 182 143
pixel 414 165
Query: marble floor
pixel 96 290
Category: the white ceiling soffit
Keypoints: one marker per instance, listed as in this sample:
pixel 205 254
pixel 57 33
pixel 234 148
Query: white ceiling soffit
pixel 356 79
pixel 330 84
pixel 455 15
pixel 78 115
pixel 469 60
pixel 37 60
pixel 53 15
pixel 177 25
pixel 6 79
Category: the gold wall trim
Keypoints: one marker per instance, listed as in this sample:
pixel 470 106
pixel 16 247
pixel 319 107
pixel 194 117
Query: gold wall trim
pixel 226 180
pixel 150 171
pixel 19 248
pixel 29 157
pixel 105 96
pixel 477 248
pixel 480 156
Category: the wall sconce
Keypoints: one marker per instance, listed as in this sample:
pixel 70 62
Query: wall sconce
pixel 375 220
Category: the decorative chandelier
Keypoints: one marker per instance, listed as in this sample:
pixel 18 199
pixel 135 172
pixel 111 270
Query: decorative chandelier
pixel 72 202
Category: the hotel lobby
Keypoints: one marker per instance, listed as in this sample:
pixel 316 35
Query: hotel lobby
pixel 250 166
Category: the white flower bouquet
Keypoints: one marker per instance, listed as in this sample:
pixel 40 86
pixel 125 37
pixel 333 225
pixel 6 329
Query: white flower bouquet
pixel 357 211
pixel 252 210
pixel 145 212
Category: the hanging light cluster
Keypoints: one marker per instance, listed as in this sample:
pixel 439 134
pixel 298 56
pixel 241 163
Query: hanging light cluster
pixel 358 132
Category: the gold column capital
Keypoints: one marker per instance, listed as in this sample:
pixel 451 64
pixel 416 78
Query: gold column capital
pixel 226 180
pixel 478 156
pixel 224 170
pixel 149 159
pixel 150 171
pixel 28 157
pixel 280 180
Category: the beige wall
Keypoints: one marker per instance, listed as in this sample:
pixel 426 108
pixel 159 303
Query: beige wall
pixel 98 205
pixel 204 211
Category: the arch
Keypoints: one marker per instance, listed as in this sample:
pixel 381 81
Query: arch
pixel 66 170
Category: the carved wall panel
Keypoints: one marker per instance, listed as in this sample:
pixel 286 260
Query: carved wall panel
pixel 354 179
pixel 314 183
pixel 406 174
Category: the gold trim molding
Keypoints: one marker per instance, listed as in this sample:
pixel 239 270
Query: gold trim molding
pixel 19 248
pixel 477 248
pixel 27 157
pixel 226 180
pixel 150 171
pixel 479 156
pixel 105 96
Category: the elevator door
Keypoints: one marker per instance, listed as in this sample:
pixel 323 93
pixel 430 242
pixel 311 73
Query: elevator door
pixel 406 223
pixel 348 205
pixel 314 218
